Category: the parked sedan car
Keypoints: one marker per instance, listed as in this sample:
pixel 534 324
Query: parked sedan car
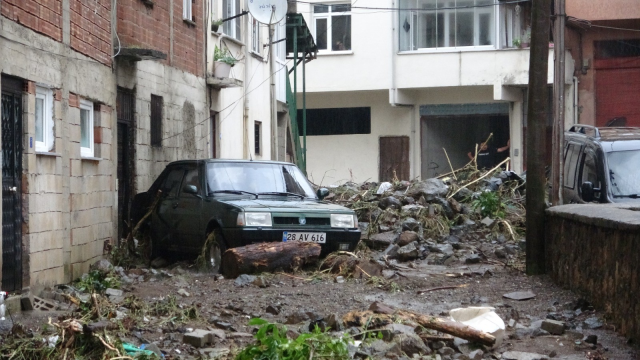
pixel 242 202
pixel 601 164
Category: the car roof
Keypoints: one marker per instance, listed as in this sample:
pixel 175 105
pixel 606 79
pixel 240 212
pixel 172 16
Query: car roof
pixel 608 138
pixel 229 161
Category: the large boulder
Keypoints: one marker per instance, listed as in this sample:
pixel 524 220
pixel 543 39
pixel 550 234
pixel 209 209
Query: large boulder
pixel 407 237
pixel 409 252
pixel 429 188
pixel 382 240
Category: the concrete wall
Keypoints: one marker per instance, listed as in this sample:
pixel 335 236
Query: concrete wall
pixel 185 116
pixel 69 202
pixel 594 250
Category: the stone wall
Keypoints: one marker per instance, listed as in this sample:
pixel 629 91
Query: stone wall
pixel 69 206
pixel 595 250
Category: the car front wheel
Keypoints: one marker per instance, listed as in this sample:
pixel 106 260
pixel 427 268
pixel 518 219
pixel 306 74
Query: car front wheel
pixel 216 248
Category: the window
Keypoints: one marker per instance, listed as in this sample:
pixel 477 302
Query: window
pixel 337 121
pixel 257 133
pixel 187 10
pixel 44 119
pixel 433 24
pixel 332 24
pixel 572 153
pixel 86 128
pixel 255 36
pixel 156 120
pixel 171 185
pixel 590 173
pixel 232 27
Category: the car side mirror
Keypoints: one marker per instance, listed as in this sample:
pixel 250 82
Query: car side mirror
pixel 190 189
pixel 588 191
pixel 322 193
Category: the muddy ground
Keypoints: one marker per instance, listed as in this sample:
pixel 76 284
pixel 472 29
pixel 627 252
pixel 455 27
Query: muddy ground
pixel 223 304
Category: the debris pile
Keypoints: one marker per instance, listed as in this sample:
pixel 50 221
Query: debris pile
pixel 470 218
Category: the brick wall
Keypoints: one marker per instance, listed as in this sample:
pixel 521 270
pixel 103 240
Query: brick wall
pixel 91 28
pixel 42 16
pixel 149 27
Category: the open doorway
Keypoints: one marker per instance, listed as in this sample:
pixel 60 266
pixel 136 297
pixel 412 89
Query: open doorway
pixel 458 134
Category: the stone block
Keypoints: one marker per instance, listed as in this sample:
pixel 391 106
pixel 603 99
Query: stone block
pixel 27 302
pixel 13 305
pixel 198 338
pixel 553 327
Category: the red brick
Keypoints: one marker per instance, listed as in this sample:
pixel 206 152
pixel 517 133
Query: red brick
pixel 97 135
pixel 57 94
pixel 30 87
pixel 74 100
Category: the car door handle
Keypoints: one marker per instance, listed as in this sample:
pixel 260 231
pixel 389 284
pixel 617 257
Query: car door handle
pixel 175 205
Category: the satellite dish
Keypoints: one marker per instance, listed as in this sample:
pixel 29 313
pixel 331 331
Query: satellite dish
pixel 268 11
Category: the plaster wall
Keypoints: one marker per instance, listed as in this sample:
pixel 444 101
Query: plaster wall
pixel 603 10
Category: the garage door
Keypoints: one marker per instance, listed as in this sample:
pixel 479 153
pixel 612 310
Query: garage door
pixel 618 90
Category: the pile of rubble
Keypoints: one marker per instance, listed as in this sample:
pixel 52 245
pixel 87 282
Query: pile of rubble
pixel 444 221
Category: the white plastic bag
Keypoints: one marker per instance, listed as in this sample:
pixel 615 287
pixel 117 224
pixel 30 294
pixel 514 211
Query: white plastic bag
pixel 383 187
pixel 481 318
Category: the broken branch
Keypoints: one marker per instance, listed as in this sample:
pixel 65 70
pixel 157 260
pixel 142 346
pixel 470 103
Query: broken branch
pixel 480 178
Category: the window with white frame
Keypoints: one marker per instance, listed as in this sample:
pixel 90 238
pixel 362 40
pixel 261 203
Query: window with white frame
pixel 86 128
pixel 332 26
pixel 231 27
pixel 434 24
pixel 187 10
pixel 255 36
pixel 44 119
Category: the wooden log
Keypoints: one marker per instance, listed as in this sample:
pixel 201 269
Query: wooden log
pixel 268 256
pixel 373 320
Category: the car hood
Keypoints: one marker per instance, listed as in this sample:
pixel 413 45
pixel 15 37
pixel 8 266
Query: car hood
pixel 289 205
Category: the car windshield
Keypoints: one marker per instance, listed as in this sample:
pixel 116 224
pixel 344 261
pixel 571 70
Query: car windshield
pixel 258 178
pixel 624 172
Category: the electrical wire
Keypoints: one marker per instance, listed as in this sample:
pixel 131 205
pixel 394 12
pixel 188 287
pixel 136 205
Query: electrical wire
pixel 614 28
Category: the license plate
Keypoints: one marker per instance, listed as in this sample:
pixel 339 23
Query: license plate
pixel 319 238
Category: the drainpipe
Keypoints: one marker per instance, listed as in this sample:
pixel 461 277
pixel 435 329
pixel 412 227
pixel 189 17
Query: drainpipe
pixel 575 99
pixel 246 153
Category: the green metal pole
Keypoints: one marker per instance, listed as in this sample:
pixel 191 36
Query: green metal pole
pixel 304 111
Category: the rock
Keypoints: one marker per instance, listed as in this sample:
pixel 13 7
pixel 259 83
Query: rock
pixel 297 317
pixel 429 188
pixel 446 208
pixel 184 293
pixel 473 259
pixel 445 249
pixel 381 308
pixel 391 251
pixel 487 222
pixel 452 239
pixel 493 183
pixel 244 280
pixel 382 240
pixel 539 332
pixel 591 339
pixel 500 253
pixel 406 338
pixel 389 202
pixel 260 282
pixel 437 345
pixel 519 355
pixel 334 321
pixel 476 354
pixel 446 351
pixel 455 205
pixel 273 310
pixel 379 349
pixel 519 295
pixel 222 325
pixel 512 323
pixel 408 200
pixel 198 338
pixel 339 279
pixel 407 237
pixel 410 224
pixel 103 266
pixel 463 194
pixel 592 323
pixel 553 327
pixel 153 348
pixel 522 333
pixel 159 263
pixel 409 252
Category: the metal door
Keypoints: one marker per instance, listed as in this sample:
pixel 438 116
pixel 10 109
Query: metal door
pixel 11 187
pixel 124 108
pixel 394 157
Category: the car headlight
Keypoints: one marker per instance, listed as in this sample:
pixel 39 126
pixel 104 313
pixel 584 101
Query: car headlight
pixel 254 219
pixel 343 221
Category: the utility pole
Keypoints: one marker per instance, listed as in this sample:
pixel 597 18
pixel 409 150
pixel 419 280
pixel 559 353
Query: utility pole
pixel 536 144
pixel 272 71
pixel 558 103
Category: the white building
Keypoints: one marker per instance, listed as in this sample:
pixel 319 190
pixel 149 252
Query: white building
pixel 240 102
pixel 395 82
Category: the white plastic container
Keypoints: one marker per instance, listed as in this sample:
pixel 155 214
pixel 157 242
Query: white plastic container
pixel 481 318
